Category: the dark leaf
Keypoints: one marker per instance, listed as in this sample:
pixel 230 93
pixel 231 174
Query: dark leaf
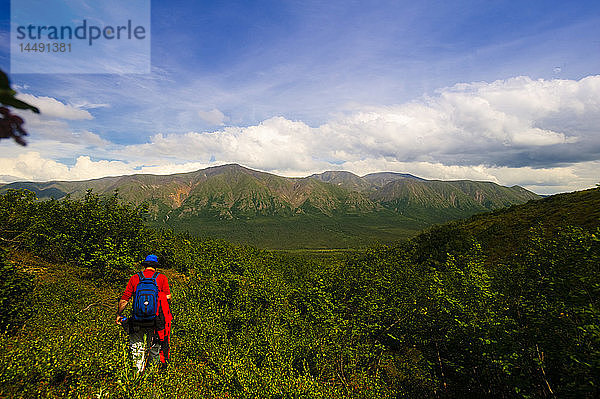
pixel 13 102
pixel 4 82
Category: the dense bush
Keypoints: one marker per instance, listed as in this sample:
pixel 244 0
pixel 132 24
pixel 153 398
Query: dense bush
pixel 15 292
pixel 430 318
pixel 551 295
pixel 100 234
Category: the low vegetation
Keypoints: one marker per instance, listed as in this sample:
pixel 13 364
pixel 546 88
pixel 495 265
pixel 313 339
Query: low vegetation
pixel 446 314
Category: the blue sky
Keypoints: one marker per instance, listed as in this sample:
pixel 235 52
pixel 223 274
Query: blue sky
pixel 489 90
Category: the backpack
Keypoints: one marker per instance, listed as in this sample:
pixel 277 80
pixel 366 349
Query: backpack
pixel 145 300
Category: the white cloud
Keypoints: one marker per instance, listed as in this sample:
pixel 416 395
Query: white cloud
pixel 214 117
pixel 541 124
pixel 275 143
pixel 85 168
pixel 88 105
pixel 52 108
pixel 44 129
pixel 32 166
pixel 54 121
pixel 536 133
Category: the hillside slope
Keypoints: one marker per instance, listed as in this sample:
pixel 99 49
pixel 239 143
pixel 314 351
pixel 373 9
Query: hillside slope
pixel 505 231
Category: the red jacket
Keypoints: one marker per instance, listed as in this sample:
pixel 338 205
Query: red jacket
pixel 161 281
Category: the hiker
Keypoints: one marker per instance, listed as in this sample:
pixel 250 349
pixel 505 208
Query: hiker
pixel 149 326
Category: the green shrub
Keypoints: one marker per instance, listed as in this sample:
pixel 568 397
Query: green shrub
pixel 15 295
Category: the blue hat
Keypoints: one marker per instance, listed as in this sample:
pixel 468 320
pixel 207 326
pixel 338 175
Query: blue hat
pixel 151 258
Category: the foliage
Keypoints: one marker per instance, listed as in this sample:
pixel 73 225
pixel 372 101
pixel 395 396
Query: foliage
pixel 15 287
pixel 100 234
pixel 439 316
pixel 552 292
pixel 12 125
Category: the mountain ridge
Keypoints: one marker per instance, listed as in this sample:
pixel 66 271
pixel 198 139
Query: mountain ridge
pixel 386 204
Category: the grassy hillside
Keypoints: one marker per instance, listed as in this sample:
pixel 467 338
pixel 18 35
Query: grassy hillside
pixel 505 231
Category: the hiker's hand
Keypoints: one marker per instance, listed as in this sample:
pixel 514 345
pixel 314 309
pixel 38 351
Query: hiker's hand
pixel 119 318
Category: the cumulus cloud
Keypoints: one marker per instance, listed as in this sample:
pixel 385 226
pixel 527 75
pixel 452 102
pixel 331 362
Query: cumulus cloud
pixel 542 134
pixel 214 117
pixel 512 123
pixel 32 166
pixel 500 123
pixel 272 144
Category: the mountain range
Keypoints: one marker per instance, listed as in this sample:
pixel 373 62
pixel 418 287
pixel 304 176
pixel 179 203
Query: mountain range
pixel 330 209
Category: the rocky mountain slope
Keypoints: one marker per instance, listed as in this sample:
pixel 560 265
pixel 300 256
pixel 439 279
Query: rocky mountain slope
pixel 232 191
pixel 383 206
